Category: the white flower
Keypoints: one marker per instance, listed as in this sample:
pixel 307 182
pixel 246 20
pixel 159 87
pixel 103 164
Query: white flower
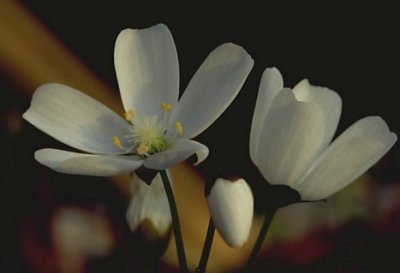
pixel 231 207
pixel 149 203
pixel 158 127
pixel 291 134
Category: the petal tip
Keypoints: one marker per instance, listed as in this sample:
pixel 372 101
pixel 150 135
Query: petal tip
pixel 272 69
pixel 377 121
pixel 271 75
pixel 26 114
pixel 39 156
pixel 239 50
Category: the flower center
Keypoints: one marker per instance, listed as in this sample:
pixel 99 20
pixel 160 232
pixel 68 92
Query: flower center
pixel 147 135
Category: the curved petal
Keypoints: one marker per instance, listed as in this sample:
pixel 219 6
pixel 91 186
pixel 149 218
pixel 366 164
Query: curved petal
pixel 211 90
pixel 350 155
pixel 146 63
pixel 149 203
pixel 329 101
pixel 87 164
pixel 271 84
pixel 76 119
pixel 291 138
pixel 179 151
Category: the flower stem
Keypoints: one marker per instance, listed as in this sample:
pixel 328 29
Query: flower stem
pixel 206 248
pixel 175 223
pixel 269 214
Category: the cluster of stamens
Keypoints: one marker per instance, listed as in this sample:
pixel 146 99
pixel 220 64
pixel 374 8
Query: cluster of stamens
pixel 148 134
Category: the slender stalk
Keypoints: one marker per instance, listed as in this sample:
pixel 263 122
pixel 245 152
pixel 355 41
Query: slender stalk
pixel 206 248
pixel 269 214
pixel 175 223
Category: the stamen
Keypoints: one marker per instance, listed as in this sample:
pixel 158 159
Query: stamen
pixel 166 106
pixel 116 141
pixel 129 115
pixel 147 135
pixel 142 149
pixel 179 128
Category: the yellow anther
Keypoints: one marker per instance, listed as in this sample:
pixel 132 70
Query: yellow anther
pixel 166 106
pixel 129 115
pixel 116 141
pixel 142 149
pixel 179 128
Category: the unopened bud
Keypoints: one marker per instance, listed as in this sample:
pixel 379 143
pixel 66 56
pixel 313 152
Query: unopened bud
pixel 231 207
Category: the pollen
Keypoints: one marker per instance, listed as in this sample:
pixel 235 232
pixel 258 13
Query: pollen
pixel 142 149
pixel 166 106
pixel 179 128
pixel 129 115
pixel 116 141
pixel 148 135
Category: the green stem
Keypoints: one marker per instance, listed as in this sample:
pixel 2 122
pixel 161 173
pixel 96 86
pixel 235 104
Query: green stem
pixel 206 248
pixel 269 214
pixel 175 223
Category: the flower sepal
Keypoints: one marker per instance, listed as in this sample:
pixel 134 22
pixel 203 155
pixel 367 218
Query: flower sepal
pixel 278 196
pixel 146 175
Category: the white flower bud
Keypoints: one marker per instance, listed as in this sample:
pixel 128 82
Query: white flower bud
pixel 231 208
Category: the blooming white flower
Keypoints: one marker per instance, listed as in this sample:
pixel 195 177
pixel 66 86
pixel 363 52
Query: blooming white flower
pixel 231 207
pixel 291 134
pixel 149 203
pixel 157 128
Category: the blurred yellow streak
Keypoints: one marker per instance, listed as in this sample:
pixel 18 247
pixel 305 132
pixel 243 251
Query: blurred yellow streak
pixel 31 55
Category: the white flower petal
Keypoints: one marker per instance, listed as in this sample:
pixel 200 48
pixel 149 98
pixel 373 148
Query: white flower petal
pixel 211 90
pixel 179 151
pixel 290 139
pixel 350 155
pixel 271 84
pixel 231 207
pixel 146 63
pixel 87 164
pixel 76 119
pixel 149 202
pixel 328 100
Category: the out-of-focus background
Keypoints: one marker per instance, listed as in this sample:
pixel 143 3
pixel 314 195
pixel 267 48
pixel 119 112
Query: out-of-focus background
pixel 52 222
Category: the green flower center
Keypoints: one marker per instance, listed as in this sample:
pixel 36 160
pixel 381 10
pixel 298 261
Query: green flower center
pixel 148 135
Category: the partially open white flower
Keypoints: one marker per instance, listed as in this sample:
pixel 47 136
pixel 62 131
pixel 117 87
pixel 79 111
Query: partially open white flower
pixel 231 207
pixel 149 203
pixel 291 134
pixel 158 127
